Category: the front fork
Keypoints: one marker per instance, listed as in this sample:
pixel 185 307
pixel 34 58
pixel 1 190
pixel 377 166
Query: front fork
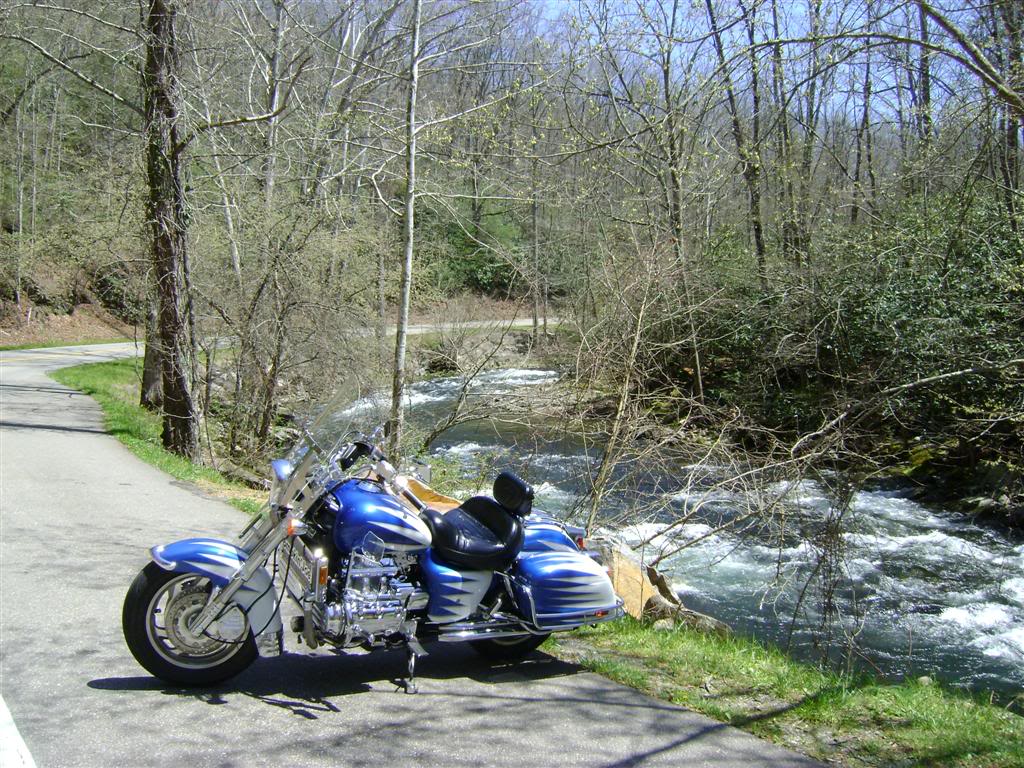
pixel 256 559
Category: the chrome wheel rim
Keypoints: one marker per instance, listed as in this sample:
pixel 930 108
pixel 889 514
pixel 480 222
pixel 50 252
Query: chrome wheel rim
pixel 168 615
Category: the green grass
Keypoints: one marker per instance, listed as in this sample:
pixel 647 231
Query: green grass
pixel 850 720
pixel 115 386
pixel 49 344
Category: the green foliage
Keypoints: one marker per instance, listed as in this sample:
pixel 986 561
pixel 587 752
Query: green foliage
pixel 458 256
pixel 925 294
pixel 931 286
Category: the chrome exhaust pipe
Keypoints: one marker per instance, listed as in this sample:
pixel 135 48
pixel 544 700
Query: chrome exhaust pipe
pixel 498 628
pixel 482 634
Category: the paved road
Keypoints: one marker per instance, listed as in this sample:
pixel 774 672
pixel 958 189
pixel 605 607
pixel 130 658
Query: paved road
pixel 495 324
pixel 77 515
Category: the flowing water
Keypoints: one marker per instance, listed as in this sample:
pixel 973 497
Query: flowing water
pixel 921 589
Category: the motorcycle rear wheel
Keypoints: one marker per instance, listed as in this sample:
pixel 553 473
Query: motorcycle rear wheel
pixel 158 606
pixel 507 649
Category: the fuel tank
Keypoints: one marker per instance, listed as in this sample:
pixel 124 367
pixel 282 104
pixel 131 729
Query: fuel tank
pixel 364 507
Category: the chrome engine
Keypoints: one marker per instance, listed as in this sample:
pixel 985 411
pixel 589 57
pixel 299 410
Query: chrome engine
pixel 370 604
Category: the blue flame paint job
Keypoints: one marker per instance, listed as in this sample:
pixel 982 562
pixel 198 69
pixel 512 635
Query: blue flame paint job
pixel 218 561
pixel 546 535
pixel 364 507
pixel 454 595
pixel 209 557
pixel 559 590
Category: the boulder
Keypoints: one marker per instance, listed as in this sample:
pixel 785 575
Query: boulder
pixel 628 578
pixel 658 610
pixel 647 595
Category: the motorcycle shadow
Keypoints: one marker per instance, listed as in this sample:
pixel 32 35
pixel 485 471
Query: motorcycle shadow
pixel 305 683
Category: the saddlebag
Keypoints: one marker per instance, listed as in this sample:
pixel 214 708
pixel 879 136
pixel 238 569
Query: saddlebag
pixel 562 590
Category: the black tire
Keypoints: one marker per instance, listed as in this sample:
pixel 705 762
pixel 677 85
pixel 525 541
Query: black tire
pixel 507 649
pixel 157 594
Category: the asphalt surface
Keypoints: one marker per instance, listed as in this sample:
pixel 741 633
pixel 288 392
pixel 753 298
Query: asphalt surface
pixel 77 516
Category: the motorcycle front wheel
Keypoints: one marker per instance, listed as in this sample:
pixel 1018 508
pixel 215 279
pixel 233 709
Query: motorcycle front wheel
pixel 157 610
pixel 507 649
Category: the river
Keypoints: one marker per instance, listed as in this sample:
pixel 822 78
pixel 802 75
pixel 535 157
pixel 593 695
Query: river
pixel 921 589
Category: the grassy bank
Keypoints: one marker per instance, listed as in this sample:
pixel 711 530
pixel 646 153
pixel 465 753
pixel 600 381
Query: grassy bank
pixel 849 720
pixel 115 386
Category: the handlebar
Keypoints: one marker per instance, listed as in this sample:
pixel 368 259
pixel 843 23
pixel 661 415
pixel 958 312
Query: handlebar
pixel 363 447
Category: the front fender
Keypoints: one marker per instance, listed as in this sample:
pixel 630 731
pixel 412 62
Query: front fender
pixel 219 561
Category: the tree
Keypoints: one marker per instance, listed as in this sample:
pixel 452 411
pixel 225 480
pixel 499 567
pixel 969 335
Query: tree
pixel 749 151
pixel 409 235
pixel 166 138
pixel 166 211
pixel 466 27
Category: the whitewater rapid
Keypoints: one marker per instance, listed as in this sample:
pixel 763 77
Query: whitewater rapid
pixel 919 589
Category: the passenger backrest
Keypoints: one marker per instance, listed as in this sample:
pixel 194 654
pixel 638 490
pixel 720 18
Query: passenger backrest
pixel 513 493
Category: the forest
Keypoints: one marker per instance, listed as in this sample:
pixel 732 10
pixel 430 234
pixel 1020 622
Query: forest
pixel 784 234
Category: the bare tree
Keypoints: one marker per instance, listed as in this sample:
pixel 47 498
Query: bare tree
pixel 409 245
pixel 169 226
pixel 748 151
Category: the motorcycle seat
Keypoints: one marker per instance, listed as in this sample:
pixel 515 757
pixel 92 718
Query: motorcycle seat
pixel 478 535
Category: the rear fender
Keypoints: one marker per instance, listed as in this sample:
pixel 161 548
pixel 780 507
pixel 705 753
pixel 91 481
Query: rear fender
pixel 219 561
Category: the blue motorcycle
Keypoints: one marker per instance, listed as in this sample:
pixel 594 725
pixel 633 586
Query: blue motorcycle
pixel 372 558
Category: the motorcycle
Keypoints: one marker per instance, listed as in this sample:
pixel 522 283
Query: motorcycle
pixel 372 558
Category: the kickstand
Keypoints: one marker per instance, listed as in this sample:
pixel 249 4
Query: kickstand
pixel 410 680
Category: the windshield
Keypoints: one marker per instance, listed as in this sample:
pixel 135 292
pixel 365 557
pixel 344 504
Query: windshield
pixel 356 409
pixel 343 418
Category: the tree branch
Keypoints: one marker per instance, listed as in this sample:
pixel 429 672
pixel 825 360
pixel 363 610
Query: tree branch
pixel 228 122
pixel 878 399
pixel 78 12
pixel 76 73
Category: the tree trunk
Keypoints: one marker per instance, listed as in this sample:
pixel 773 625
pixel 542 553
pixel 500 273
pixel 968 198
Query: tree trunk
pixel 754 162
pixel 535 234
pixel 229 225
pixel 924 81
pixel 747 155
pixel 381 326
pixel 863 153
pixel 20 214
pixel 273 95
pixel 784 149
pixel 1013 21
pixel 812 105
pixel 152 395
pixel 398 383
pixel 166 214
pixel 269 405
